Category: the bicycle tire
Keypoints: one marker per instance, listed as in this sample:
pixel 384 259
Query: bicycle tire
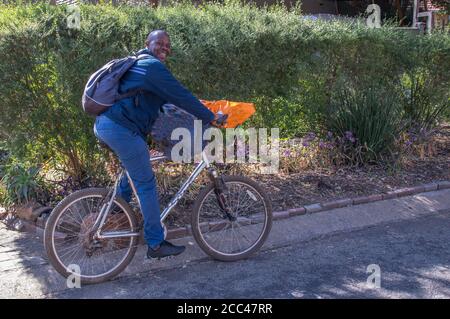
pixel 50 233
pixel 196 225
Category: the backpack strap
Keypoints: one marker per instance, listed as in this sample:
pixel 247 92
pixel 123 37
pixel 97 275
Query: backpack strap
pixel 137 91
pixel 130 93
pixel 143 56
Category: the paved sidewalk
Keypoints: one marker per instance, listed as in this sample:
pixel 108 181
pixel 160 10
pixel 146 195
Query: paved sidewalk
pixel 411 258
pixel 25 273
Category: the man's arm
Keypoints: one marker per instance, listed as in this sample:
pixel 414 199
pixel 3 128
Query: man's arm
pixel 161 82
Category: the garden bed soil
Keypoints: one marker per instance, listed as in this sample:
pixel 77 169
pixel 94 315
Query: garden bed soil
pixel 315 186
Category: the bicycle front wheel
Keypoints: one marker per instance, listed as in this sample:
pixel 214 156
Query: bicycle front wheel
pixel 241 230
pixel 69 243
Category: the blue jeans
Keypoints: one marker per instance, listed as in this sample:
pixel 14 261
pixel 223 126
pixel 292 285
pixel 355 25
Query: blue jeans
pixel 134 155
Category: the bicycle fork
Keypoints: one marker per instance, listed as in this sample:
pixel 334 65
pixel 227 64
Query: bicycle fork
pixel 219 188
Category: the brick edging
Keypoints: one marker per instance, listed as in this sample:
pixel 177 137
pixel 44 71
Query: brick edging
pixel 339 203
pixel 353 201
pixel 306 209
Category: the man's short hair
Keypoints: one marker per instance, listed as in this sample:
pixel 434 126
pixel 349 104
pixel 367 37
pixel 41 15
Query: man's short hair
pixel 154 33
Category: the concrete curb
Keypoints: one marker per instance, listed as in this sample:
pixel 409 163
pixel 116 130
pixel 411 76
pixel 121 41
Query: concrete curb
pixel 339 203
pixel 353 201
pixel 181 232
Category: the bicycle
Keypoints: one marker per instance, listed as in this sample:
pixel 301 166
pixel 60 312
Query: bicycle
pixel 93 223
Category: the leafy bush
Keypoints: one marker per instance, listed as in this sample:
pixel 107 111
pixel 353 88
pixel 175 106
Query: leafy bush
pixel 425 103
pixel 21 184
pixel 369 118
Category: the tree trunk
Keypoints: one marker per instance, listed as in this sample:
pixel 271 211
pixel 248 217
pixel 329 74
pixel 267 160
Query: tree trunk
pixel 400 13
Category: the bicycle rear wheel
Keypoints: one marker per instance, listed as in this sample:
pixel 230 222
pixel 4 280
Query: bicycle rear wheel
pixel 239 234
pixel 68 243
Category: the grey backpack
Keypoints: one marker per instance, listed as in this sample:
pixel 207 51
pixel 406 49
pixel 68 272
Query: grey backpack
pixel 102 89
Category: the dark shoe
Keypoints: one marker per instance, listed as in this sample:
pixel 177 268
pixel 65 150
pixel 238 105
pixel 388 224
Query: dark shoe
pixel 165 249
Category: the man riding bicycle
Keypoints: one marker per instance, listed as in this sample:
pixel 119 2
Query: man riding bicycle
pixel 124 127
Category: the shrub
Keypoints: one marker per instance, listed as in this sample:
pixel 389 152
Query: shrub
pixel 21 184
pixel 368 118
pixel 425 104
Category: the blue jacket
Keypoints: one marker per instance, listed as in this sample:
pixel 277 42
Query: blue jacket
pixel 160 86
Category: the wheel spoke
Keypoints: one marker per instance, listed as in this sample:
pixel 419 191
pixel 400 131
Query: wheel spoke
pixel 242 199
pixel 96 259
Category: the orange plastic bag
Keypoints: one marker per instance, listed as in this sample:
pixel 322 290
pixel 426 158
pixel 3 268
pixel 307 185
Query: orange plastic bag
pixel 238 112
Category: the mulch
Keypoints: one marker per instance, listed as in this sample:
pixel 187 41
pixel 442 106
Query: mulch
pixel 315 186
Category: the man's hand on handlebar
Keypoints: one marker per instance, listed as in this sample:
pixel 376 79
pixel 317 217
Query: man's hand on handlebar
pixel 220 120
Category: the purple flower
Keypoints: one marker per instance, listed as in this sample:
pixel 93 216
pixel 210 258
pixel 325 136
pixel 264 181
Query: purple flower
pixel 310 136
pixel 349 136
pixel 305 143
pixel 329 134
pixel 287 153
pixel 322 144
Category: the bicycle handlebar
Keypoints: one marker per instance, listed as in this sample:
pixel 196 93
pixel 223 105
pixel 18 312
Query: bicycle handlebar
pixel 220 121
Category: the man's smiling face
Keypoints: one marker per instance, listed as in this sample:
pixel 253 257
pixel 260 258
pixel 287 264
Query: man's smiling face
pixel 159 45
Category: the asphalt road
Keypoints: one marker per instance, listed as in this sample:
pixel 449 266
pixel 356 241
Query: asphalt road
pixel 404 259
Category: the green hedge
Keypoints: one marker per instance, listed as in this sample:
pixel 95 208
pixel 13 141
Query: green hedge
pixel 292 68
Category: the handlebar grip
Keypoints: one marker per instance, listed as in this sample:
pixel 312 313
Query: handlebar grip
pixel 221 120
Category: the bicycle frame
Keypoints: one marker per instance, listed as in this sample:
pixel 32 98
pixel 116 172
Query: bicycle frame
pixel 105 210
